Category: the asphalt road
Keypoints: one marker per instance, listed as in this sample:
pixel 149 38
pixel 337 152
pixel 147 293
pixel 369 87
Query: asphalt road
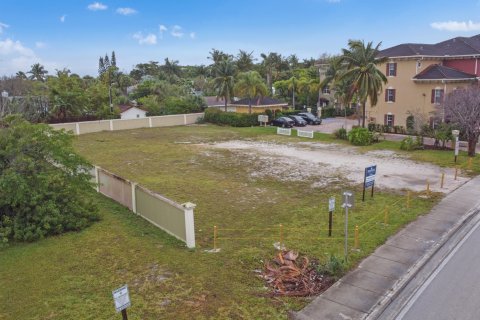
pixel 452 291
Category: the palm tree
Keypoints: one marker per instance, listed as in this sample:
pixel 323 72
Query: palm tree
pixel 244 61
pixel 292 85
pixel 250 85
pixel 224 80
pixel 171 67
pixel 361 62
pixel 271 64
pixel 37 72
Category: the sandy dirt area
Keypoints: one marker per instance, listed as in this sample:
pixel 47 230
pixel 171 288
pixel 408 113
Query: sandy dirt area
pixel 328 163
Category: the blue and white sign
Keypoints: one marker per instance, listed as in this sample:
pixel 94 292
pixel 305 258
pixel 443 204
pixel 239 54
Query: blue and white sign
pixel 370 173
pixel 121 298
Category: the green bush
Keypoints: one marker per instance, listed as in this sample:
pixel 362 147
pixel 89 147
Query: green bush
pixel 334 267
pixel 337 112
pixel 340 134
pixel 45 186
pixel 360 137
pixel 216 116
pixel 409 144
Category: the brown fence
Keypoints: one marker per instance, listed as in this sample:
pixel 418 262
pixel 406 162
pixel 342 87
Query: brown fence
pixel 175 219
pixel 123 124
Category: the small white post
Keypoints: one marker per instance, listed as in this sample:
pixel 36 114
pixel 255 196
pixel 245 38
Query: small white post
pixel 189 224
pixel 97 179
pixel 134 198
pixel 111 125
pixel 77 128
pixel 150 122
pixel 185 119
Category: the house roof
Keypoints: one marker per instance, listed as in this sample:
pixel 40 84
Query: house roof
pixel 125 107
pixel 439 72
pixel 214 101
pixel 260 102
pixel 459 46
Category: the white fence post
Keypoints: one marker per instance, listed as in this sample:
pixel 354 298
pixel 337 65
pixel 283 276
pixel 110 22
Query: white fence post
pixel 185 119
pixel 97 179
pixel 134 198
pixel 77 128
pixel 111 125
pixel 189 224
pixel 149 122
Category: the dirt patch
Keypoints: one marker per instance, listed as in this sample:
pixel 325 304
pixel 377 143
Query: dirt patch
pixel 328 163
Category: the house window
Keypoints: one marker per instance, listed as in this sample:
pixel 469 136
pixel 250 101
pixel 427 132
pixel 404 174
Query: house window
pixel 389 120
pixel 390 95
pixel 392 69
pixel 326 90
pixel 437 96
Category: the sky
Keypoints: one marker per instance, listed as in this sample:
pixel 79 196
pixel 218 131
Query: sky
pixel 73 34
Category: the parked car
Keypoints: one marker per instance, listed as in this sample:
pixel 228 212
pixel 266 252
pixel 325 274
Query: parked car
pixel 283 122
pixel 310 118
pixel 298 121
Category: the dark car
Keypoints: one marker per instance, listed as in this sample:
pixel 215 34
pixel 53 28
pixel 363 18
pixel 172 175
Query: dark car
pixel 310 118
pixel 298 121
pixel 283 122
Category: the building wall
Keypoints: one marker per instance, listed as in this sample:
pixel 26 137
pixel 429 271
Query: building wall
pixel 410 97
pixel 133 113
pixel 258 109
pixel 465 65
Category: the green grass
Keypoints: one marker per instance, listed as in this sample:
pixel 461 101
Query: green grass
pixel 72 276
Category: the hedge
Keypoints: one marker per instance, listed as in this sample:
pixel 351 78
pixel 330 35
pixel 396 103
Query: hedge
pixel 217 116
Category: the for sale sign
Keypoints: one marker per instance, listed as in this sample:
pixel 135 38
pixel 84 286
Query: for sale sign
pixel 370 173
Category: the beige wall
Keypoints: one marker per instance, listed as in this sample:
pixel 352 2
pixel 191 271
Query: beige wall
pixel 244 109
pixel 116 188
pixel 410 96
pixel 119 124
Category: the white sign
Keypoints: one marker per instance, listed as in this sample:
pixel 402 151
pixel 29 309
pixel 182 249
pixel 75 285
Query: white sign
pixel 285 132
pixel 121 298
pixel 305 134
pixel 262 118
pixel 331 204
pixel 457 144
pixel 348 200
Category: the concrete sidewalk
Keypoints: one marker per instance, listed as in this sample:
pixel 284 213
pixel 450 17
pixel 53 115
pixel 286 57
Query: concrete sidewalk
pixel 375 282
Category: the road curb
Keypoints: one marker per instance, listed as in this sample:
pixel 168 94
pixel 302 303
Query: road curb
pixel 377 310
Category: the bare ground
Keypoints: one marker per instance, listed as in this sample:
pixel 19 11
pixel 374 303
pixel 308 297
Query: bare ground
pixel 330 163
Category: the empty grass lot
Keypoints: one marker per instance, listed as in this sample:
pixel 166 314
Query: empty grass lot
pixel 72 276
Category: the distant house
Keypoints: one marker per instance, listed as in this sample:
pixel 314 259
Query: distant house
pixel 131 112
pixel 259 104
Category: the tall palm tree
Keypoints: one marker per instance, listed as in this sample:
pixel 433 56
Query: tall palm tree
pixel 224 80
pixel 250 85
pixel 244 61
pixel 37 72
pixel 292 85
pixel 366 78
pixel 271 64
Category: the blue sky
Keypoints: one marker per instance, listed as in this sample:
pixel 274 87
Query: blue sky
pixel 74 33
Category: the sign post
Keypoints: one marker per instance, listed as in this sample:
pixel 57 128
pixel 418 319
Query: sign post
pixel 348 202
pixel 121 299
pixel 455 134
pixel 331 207
pixel 369 179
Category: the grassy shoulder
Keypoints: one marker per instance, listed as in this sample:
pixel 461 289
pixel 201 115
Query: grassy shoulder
pixel 71 276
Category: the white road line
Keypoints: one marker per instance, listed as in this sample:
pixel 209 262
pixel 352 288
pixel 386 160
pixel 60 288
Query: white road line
pixel 414 298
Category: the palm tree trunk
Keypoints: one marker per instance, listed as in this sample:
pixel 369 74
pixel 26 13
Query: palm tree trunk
pixel 364 112
pixel 225 104
pixel 472 144
pixel 249 105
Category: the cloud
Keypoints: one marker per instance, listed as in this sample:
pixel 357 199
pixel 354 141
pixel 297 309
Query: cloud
pixel 126 11
pixel 456 25
pixel 14 56
pixel 97 6
pixel 149 39
pixel 177 31
pixel 3 26
pixel 193 35
pixel 40 44
pixel 62 18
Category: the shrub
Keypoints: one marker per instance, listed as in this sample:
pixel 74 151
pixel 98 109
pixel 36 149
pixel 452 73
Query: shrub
pixel 340 134
pixel 216 116
pixel 334 267
pixel 372 127
pixel 409 144
pixel 45 185
pixel 360 137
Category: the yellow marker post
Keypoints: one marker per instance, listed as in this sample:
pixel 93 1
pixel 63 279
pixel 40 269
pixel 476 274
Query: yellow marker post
pixel 442 180
pixel 456 173
pixel 408 199
pixel 214 237
pixel 428 187
pixel 385 218
pixel 470 163
pixel 357 240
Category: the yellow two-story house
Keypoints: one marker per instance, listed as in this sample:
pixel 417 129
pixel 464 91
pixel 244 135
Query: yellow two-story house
pixel 419 78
